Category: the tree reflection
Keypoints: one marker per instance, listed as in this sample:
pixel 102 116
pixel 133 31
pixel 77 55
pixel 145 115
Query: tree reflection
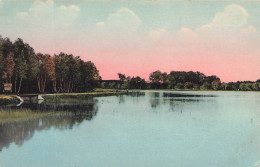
pixel 53 115
pixel 174 100
pixel 136 93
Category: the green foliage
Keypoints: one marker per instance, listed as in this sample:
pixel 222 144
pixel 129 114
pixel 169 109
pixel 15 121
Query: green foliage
pixel 245 86
pixel 216 84
pixel 156 79
pixel 137 83
pixel 1 65
pixel 188 85
pixel 125 85
pixel 255 86
pixel 206 86
pixel 185 80
pixel 121 77
pixel 179 86
pixel 27 70
pixel 196 86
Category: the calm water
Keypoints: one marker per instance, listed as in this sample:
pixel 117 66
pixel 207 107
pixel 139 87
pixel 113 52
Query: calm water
pixel 148 129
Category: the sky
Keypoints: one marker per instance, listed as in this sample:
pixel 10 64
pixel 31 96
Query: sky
pixel 137 37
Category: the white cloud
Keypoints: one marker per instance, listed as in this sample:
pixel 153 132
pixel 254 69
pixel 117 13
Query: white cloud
pixel 248 30
pixel 233 16
pixel 67 14
pixel 46 13
pixel 229 26
pixel 69 8
pixel 187 32
pixel 158 33
pixel 123 22
pixel 40 8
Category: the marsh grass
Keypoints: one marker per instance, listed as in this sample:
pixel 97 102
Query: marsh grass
pixel 21 115
pixel 95 93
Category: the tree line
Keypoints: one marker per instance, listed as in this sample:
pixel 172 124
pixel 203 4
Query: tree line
pixel 173 80
pixel 181 80
pixel 31 72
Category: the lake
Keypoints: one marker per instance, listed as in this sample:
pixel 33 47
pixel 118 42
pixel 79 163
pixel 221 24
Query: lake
pixel 141 129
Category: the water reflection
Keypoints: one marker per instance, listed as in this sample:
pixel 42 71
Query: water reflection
pixel 44 116
pixel 176 99
pixel 166 94
pixel 136 94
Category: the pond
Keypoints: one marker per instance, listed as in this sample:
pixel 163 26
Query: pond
pixel 141 129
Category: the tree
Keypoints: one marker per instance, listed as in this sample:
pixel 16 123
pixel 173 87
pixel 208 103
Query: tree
pixel 6 48
pixel 216 84
pixel 89 76
pixel 205 86
pixel 47 70
pixel 26 71
pixel 179 86
pixel 61 70
pixel 200 78
pixel 73 73
pixel 137 83
pixel 172 81
pixel 121 77
pixel 32 63
pixel 255 86
pixel 156 79
pixel 8 68
pixel 188 85
pixel 1 68
pixel 22 54
pixel 165 80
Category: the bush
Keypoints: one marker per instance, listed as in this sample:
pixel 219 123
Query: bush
pixel 205 86
pixel 179 86
pixel 196 86
pixel 188 85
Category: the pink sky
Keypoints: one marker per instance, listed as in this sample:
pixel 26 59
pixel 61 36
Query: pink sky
pixel 223 40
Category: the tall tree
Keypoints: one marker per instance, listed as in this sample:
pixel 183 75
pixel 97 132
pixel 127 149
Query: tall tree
pixel 73 76
pixel 89 75
pixel 8 68
pixel 61 70
pixel 47 70
pixel 1 69
pixel 20 68
pixel 156 79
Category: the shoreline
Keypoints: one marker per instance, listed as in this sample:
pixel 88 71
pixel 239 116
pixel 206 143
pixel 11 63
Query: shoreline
pixel 13 99
pixel 9 99
pixel 95 93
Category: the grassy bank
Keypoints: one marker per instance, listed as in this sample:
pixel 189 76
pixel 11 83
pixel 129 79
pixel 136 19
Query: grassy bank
pixel 95 93
pixel 8 99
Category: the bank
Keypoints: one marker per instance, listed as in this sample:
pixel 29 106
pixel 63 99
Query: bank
pixel 12 99
pixel 9 99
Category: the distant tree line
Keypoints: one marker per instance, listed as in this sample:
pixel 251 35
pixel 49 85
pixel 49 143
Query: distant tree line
pixel 180 80
pixel 243 85
pixel 39 73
